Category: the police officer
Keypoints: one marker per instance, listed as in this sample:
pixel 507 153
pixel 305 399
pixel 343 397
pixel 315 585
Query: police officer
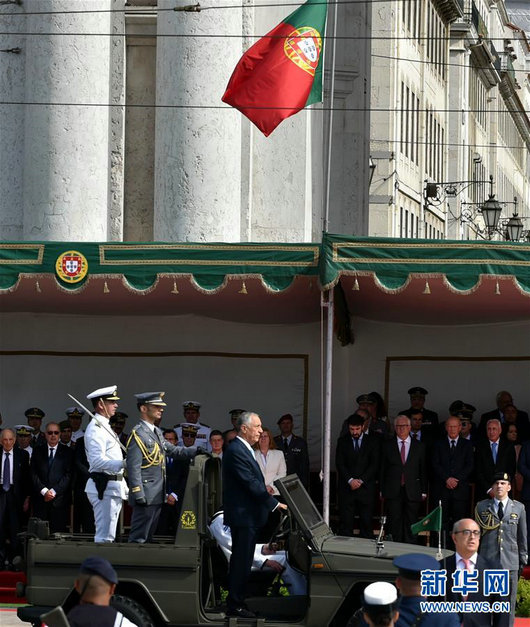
pixel 409 585
pixel 105 487
pixel 504 540
pixel 191 417
pixel 146 466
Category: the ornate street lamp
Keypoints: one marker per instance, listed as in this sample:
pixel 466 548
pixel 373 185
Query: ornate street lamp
pixel 491 212
pixel 514 228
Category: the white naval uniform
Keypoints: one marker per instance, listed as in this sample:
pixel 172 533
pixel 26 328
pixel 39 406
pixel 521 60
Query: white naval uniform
pixel 104 455
pixel 294 579
pixel 203 435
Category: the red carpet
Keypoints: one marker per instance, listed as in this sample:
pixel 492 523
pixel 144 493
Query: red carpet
pixel 8 583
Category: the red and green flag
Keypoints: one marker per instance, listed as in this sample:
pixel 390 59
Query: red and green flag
pixel 282 72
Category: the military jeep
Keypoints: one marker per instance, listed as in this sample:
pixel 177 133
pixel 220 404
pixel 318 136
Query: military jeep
pixel 176 580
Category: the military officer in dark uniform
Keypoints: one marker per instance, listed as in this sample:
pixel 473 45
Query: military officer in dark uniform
pixel 96 584
pixel 34 416
pixel 408 583
pixel 146 465
pixel 294 448
pixel 417 403
pixel 504 539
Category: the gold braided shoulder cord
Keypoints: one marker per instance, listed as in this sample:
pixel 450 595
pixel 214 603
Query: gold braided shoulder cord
pixel 488 524
pixel 155 458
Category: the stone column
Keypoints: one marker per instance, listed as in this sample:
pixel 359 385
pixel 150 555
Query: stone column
pixel 198 149
pixel 12 67
pixel 66 140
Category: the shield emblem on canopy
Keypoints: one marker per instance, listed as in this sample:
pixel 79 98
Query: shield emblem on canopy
pixel 71 266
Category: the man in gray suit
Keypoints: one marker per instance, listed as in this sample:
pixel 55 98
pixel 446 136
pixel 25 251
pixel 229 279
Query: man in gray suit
pixel 146 465
pixel 503 525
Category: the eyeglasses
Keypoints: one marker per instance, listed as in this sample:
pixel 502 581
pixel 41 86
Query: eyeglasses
pixel 52 432
pixel 470 532
pixel 401 426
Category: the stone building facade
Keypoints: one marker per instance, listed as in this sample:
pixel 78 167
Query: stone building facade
pixel 450 102
pixel 113 128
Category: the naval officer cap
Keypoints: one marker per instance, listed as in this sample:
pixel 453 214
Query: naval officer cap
pixel 23 430
pixel 285 417
pixel 365 398
pixel 96 565
pixel 189 431
pixel 380 595
pixel 34 412
pixel 236 412
pixel 151 398
pixel 109 393
pixel 411 565
pixel 74 412
pixel 192 405
pixel 417 391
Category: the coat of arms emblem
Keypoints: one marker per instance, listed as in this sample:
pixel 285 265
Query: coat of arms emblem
pixel 71 266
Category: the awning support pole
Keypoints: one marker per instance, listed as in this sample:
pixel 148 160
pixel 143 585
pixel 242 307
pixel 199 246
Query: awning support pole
pixel 326 457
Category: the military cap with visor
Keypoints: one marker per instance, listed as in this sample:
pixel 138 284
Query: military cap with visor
pixel 151 398
pixel 110 393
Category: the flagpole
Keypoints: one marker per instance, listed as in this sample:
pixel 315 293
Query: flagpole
pixel 331 105
pixel 439 555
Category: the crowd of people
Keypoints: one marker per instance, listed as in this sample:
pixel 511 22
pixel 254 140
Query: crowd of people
pixel 77 479
pixel 416 461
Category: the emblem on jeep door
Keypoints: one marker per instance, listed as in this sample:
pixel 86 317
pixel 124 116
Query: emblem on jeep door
pixel 188 520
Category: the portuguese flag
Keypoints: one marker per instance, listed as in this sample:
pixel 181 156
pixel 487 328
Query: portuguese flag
pixel 282 72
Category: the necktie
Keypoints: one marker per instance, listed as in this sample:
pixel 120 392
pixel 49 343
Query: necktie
pixel 414 436
pixel 453 446
pixel 356 444
pixel 285 444
pixel 469 567
pixel 50 458
pixel 500 511
pixel 494 452
pixel 6 480
pixel 403 460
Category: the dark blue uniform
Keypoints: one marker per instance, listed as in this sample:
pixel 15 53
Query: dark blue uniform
pixel 409 609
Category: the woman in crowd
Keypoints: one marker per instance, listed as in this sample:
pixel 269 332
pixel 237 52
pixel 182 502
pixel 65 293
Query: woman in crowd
pixel 270 460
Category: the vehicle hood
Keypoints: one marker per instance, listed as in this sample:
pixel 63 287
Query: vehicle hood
pixel 340 550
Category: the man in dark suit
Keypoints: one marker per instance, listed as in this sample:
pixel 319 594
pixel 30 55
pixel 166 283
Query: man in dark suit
pixel 15 488
pixel 357 461
pixel 294 448
pixel 503 399
pixel 491 456
pixel 247 506
pixel 466 539
pixel 51 471
pixel 403 480
pixel 452 464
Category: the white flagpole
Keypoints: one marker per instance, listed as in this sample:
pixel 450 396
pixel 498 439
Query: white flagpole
pixel 331 105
